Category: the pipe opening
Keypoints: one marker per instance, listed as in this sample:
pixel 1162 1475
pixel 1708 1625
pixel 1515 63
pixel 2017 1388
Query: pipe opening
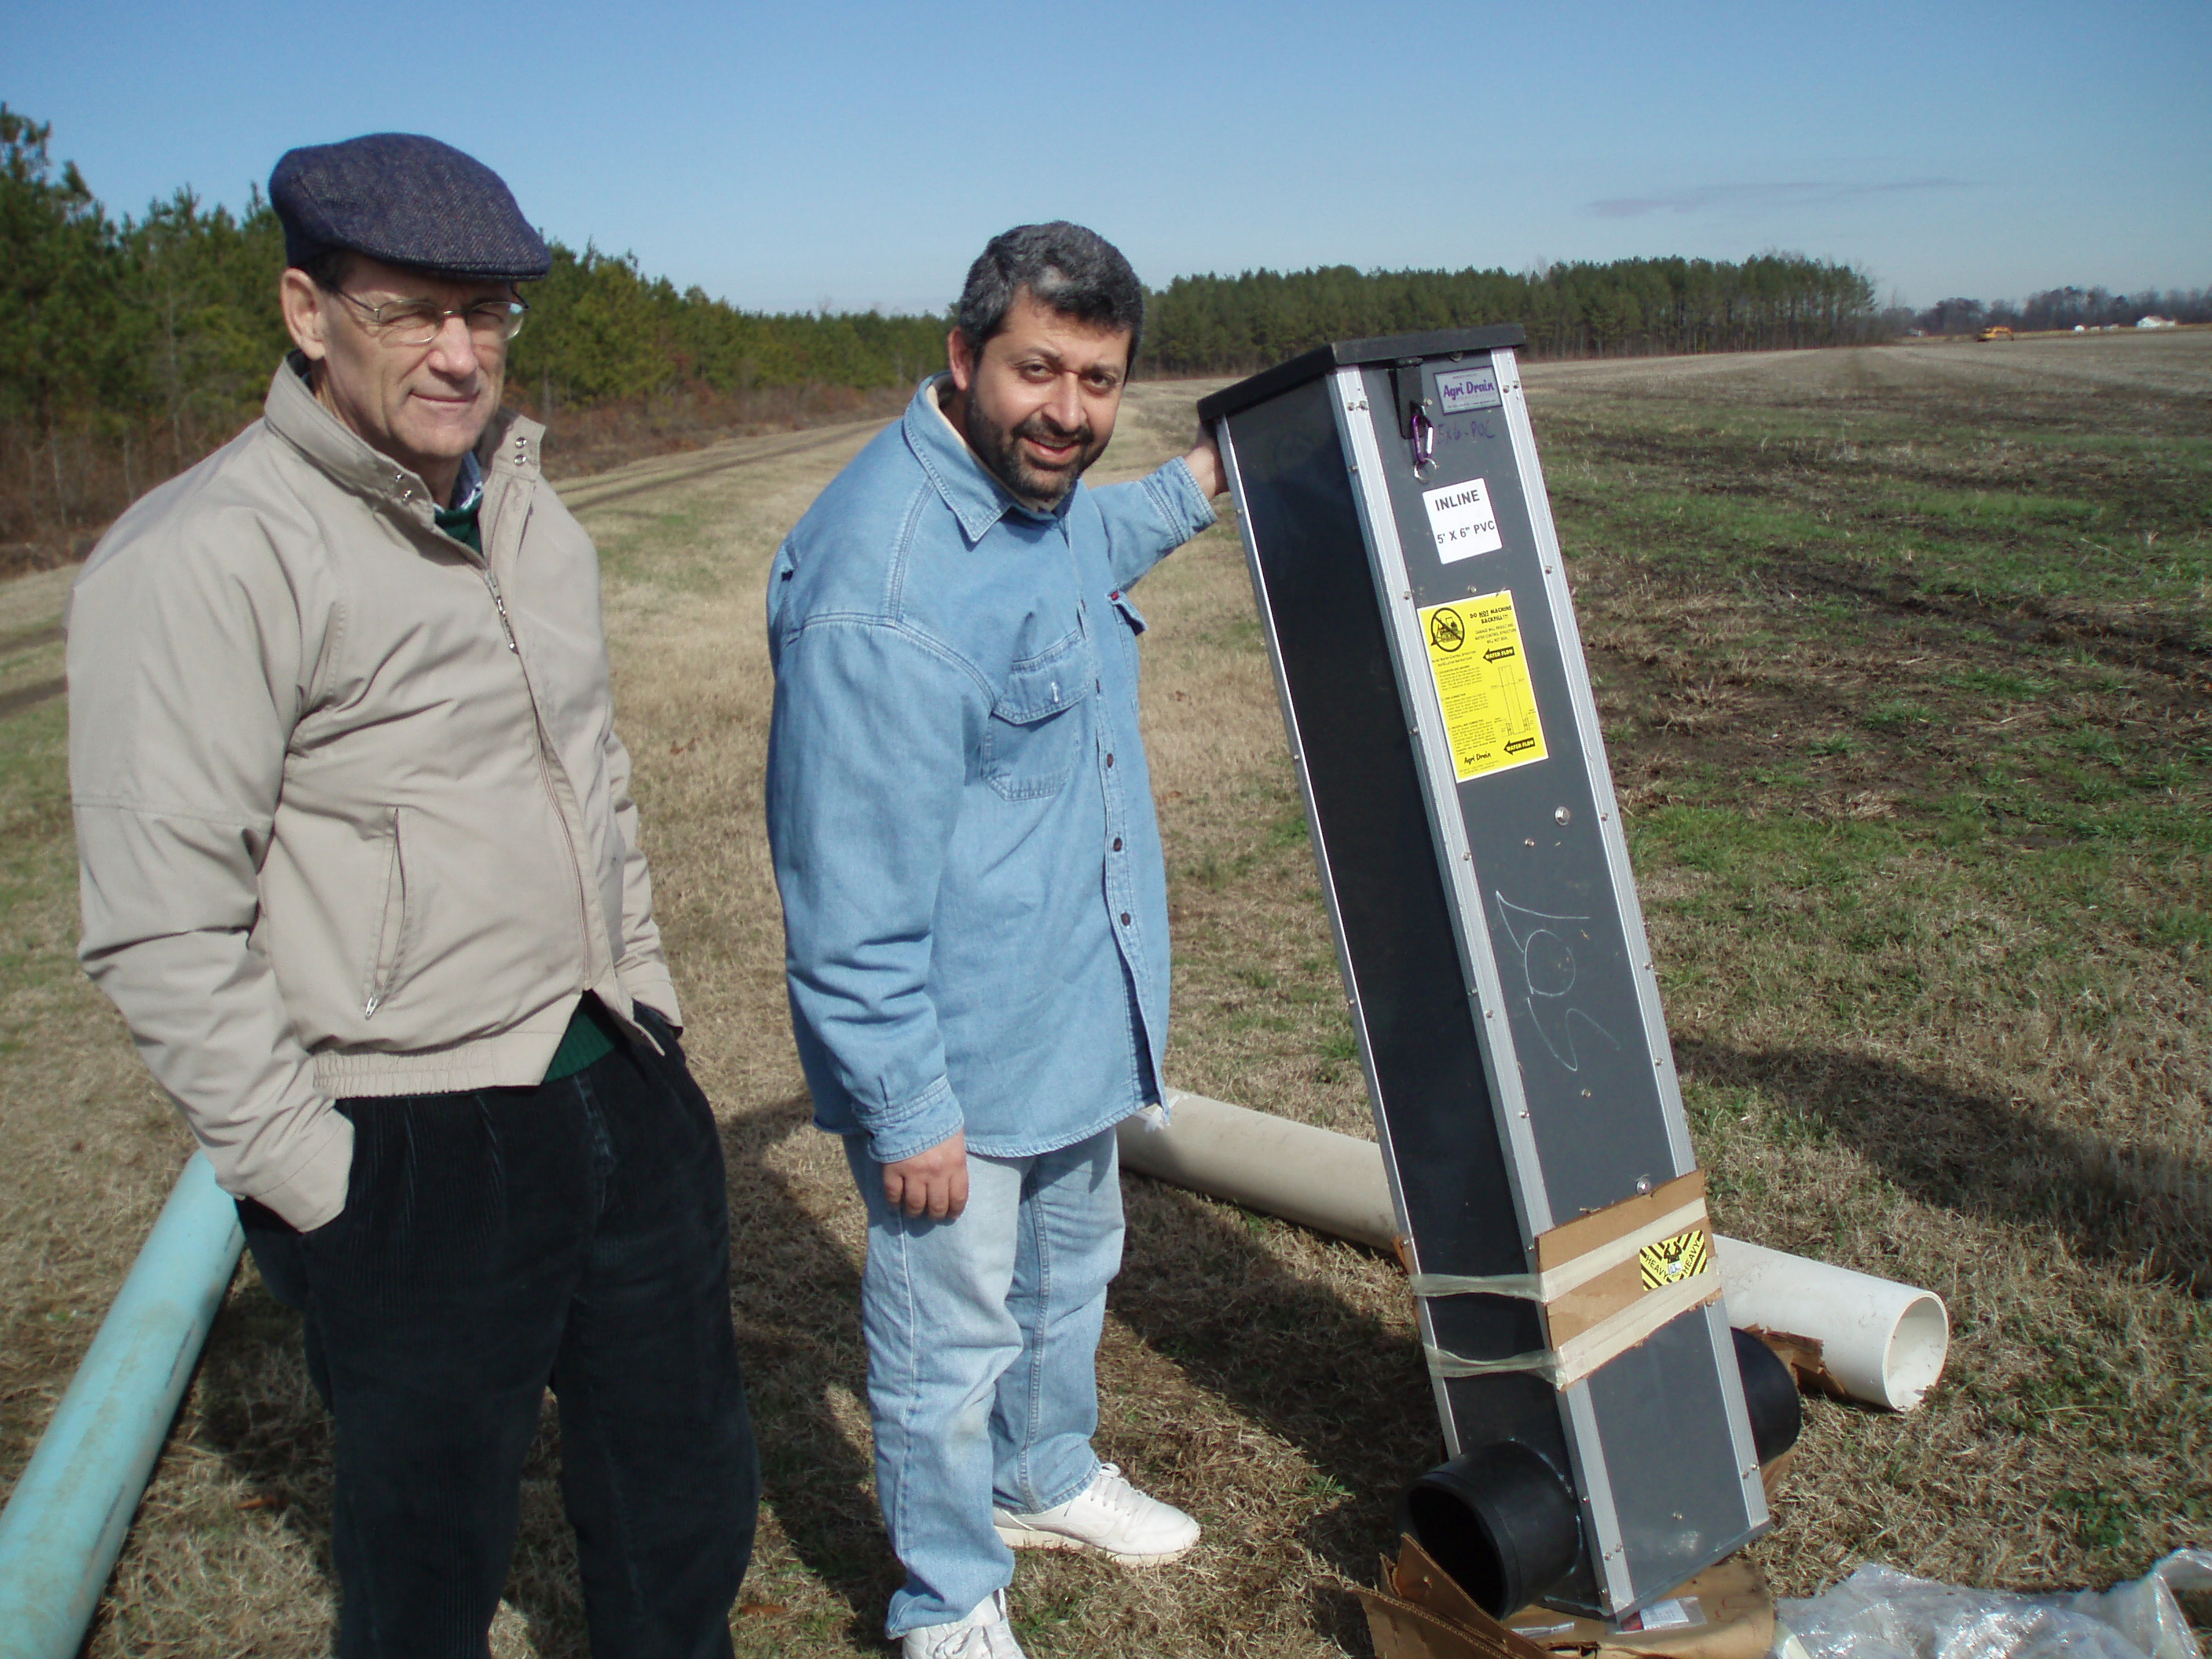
pixel 1500 1521
pixel 1914 1357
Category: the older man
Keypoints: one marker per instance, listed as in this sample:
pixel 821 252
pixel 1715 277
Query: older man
pixel 360 868
pixel 976 913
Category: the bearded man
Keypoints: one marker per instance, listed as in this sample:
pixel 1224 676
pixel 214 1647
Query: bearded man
pixel 976 912
pixel 359 866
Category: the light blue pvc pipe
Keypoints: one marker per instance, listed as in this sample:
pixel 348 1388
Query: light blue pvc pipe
pixel 64 1524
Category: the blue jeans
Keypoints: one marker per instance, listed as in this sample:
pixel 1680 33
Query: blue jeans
pixel 982 1337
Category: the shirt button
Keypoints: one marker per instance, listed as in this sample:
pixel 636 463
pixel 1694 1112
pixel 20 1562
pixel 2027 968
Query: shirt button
pixel 1096 685
pixel 1125 918
pixel 1117 843
pixel 1109 760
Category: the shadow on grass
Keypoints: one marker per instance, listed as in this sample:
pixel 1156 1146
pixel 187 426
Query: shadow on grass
pixel 797 1295
pixel 1982 1155
pixel 257 1409
pixel 1349 1391
pixel 260 1412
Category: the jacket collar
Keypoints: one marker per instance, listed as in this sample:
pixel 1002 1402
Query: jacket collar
pixel 977 499
pixel 510 444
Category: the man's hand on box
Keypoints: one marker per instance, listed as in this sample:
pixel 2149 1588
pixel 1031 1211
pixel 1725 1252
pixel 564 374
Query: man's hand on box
pixel 1204 464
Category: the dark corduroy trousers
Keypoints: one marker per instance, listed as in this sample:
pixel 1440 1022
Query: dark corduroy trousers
pixel 575 1235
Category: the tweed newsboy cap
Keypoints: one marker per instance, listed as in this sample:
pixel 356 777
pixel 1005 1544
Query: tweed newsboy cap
pixel 406 200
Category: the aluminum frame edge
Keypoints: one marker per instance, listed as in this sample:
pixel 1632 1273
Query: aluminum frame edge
pixel 1225 442
pixel 1584 703
pixel 1478 962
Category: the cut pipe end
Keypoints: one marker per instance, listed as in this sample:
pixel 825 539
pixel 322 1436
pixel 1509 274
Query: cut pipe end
pixel 1913 1358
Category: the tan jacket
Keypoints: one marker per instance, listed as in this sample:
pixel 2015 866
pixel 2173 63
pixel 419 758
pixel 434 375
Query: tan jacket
pixel 340 831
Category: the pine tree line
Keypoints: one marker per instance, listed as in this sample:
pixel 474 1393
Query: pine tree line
pixel 602 331
pixel 1217 325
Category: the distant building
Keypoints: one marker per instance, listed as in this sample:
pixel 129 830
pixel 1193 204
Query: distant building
pixel 2156 322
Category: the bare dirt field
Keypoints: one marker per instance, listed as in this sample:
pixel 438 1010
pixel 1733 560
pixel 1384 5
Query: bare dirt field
pixel 2175 364
pixel 1905 658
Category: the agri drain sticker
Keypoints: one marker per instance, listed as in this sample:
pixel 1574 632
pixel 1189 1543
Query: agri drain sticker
pixel 1673 1259
pixel 1482 683
pixel 1462 389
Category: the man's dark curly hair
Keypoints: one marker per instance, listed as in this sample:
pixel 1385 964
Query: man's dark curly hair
pixel 1074 271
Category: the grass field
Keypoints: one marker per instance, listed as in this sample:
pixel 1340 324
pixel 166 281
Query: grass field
pixel 1905 658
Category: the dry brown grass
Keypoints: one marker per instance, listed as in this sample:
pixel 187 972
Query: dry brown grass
pixel 1910 1048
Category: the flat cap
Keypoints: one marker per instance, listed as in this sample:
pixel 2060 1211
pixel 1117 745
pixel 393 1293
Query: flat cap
pixel 406 200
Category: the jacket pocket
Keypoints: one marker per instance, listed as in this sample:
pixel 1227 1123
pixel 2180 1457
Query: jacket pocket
pixel 1040 723
pixel 389 957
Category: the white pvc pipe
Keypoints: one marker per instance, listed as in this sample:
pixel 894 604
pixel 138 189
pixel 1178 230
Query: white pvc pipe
pixel 1316 1177
pixel 1871 1339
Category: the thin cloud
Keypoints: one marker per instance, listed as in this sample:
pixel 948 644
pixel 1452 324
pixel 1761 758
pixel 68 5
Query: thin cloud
pixel 1799 193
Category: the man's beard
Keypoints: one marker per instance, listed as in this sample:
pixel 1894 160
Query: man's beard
pixel 1000 450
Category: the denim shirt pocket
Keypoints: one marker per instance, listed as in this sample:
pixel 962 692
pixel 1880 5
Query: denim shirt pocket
pixel 1040 723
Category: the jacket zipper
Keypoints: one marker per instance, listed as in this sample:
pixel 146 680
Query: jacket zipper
pixel 545 764
pixel 500 604
pixel 387 967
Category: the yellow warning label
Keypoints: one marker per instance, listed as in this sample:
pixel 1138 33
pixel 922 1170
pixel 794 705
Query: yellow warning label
pixel 1482 681
pixel 1683 1256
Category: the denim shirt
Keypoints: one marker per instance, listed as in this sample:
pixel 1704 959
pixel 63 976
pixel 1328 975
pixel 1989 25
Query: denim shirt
pixel 958 806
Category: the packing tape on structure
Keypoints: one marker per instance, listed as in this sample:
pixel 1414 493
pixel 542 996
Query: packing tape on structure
pixel 1605 1282
pixel 1580 1355
pixel 1551 1286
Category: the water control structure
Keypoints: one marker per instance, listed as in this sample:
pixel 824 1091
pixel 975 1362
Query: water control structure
pixel 1552 1215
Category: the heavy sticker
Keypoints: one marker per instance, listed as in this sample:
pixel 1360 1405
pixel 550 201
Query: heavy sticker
pixel 1672 1260
pixel 1482 684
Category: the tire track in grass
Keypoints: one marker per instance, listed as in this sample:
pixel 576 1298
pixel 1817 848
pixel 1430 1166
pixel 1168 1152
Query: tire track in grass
pixel 589 493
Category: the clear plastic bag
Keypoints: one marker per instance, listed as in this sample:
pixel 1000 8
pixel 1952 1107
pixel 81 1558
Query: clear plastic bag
pixel 1879 1613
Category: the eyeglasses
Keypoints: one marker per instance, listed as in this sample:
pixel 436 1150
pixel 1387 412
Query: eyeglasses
pixel 416 322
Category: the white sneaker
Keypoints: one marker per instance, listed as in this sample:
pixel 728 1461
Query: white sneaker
pixel 983 1634
pixel 1109 1515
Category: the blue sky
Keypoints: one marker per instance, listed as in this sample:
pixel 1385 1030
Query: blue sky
pixel 859 154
